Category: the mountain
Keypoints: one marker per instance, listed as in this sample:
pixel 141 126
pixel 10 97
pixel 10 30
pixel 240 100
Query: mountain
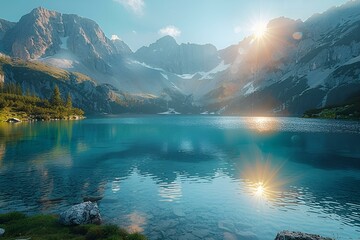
pixel 296 66
pixel 43 33
pixel 78 44
pixel 166 54
pixel 121 47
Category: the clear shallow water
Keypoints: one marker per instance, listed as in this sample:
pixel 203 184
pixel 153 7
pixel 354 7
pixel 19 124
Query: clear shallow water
pixel 190 177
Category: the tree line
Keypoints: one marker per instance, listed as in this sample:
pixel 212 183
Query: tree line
pixel 13 99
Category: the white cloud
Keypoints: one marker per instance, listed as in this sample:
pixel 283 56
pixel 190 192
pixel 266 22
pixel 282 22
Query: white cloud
pixel 137 6
pixel 170 30
pixel 115 37
pixel 237 29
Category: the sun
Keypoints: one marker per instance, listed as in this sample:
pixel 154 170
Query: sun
pixel 259 29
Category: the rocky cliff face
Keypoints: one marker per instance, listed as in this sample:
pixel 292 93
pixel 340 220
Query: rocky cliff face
pixel 166 54
pixel 43 33
pixel 122 47
pixel 4 27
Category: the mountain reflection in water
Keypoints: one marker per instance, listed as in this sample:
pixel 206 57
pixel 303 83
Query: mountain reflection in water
pixel 197 177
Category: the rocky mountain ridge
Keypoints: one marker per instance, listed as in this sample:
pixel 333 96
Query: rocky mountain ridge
pixel 166 54
pixel 296 66
pixel 43 33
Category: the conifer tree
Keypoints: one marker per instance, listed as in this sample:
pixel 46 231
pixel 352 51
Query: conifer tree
pixel 68 103
pixel 56 97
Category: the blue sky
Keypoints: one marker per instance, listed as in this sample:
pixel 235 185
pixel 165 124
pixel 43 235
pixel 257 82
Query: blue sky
pixel 141 22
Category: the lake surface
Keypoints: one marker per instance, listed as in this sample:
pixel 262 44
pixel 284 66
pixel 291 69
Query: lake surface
pixel 190 177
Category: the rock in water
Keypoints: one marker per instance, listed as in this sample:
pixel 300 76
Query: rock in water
pixel 2 231
pixel 288 235
pixel 83 213
pixel 92 198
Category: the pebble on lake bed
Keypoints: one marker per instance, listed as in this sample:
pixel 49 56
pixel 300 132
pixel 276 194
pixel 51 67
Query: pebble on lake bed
pixel 289 235
pixel 2 231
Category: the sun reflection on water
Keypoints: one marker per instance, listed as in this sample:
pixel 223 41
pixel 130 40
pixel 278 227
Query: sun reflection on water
pixel 263 124
pixel 259 190
pixel 262 179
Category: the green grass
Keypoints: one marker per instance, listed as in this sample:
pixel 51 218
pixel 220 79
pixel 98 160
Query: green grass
pixel 46 227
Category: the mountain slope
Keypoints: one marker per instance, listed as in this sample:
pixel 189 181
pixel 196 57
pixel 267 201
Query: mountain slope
pixel 295 67
pixel 166 54
pixel 40 80
pixel 4 27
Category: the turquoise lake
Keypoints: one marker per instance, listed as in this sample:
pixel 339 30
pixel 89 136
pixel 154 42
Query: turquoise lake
pixel 190 177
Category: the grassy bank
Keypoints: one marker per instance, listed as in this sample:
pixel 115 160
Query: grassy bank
pixel 46 227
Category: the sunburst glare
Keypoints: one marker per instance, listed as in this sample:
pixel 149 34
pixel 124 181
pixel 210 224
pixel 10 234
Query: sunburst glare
pixel 259 29
pixel 259 189
pixel 262 178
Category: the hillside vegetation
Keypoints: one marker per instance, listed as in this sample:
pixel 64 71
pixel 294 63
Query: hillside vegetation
pixel 13 104
pixel 349 110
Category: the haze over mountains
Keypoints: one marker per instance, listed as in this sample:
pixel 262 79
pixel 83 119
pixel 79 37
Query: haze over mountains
pixel 296 66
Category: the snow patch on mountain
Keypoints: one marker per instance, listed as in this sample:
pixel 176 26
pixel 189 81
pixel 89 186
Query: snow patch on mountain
pixel 353 60
pixel 186 76
pixel 63 59
pixel 175 87
pixel 219 68
pixel 206 75
pixel 249 88
pixel 147 66
pixel 165 76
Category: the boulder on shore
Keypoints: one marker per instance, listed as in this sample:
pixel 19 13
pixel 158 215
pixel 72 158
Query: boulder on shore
pixel 13 120
pixel 83 213
pixel 289 235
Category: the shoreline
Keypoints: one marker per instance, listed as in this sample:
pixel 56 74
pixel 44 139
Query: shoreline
pixel 45 226
pixel 19 119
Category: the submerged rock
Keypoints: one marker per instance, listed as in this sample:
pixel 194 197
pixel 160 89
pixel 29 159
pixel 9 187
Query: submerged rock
pixel 83 213
pixel 289 235
pixel 2 231
pixel 92 198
